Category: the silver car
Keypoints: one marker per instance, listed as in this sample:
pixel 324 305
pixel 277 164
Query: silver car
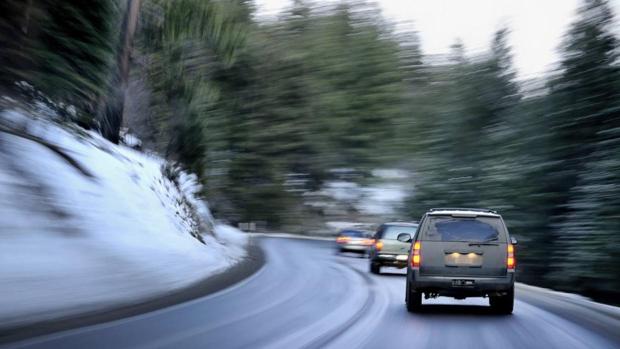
pixel 461 253
pixel 354 240
pixel 387 250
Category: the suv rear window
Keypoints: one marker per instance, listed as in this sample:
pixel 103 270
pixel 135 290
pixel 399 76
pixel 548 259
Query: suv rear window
pixel 448 228
pixel 390 232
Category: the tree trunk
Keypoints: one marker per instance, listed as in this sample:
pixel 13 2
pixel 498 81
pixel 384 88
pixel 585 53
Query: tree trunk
pixel 112 114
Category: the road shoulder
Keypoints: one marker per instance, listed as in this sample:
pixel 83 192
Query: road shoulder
pixel 253 261
pixel 598 317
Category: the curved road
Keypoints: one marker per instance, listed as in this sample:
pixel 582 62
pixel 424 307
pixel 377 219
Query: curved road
pixel 306 296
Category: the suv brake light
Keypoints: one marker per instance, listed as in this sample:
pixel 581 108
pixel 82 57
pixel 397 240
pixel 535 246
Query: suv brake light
pixel 379 245
pixel 416 257
pixel 510 259
pixel 368 242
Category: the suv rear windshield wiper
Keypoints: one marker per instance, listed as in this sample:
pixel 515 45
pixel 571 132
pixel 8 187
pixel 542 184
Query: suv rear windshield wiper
pixel 485 242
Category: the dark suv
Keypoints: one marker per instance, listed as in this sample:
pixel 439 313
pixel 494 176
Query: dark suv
pixel 461 253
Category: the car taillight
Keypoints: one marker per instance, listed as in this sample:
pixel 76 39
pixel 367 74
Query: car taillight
pixel 416 257
pixel 379 245
pixel 510 259
pixel 342 239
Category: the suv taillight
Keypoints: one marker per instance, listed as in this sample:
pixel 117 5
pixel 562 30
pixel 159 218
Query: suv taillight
pixel 510 259
pixel 379 245
pixel 415 256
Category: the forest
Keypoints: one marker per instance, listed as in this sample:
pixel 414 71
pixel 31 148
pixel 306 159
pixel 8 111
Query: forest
pixel 248 104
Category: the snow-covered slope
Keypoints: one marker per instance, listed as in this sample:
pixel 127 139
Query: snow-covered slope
pixel 85 224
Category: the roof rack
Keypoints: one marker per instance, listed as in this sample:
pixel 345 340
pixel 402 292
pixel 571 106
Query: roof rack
pixel 462 209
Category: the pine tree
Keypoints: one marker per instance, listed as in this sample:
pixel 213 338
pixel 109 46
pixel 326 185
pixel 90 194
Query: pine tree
pixel 466 155
pixel 64 49
pixel 185 43
pixel 586 123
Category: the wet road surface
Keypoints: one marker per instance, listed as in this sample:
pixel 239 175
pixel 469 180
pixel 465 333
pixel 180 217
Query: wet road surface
pixel 307 296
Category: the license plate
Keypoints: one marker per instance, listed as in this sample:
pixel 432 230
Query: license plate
pixel 459 282
pixel 402 257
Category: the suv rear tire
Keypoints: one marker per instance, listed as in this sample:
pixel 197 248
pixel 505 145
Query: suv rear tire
pixel 413 300
pixel 375 268
pixel 503 304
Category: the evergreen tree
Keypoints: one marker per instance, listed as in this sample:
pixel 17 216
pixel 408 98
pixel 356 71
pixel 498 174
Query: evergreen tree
pixel 466 155
pixel 63 49
pixel 185 42
pixel 584 181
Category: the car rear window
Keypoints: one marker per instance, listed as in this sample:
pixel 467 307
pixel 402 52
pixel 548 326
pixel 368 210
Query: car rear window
pixel 353 233
pixel 391 231
pixel 478 229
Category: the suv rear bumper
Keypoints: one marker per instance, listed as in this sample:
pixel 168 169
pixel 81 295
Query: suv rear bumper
pixel 389 259
pixel 444 285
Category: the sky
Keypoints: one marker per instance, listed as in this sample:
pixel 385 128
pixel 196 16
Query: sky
pixel 537 26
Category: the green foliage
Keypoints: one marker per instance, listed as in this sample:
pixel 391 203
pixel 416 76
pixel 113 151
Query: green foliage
pixel 249 105
pixel 293 91
pixel 64 49
pixel 185 41
pixel 548 162
pixel 586 121
pixel 462 137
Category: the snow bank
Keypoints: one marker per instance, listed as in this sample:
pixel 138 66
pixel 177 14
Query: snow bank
pixel 100 225
pixel 384 198
pixel 339 225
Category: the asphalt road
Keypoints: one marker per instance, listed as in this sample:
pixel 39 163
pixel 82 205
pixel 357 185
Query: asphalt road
pixel 306 296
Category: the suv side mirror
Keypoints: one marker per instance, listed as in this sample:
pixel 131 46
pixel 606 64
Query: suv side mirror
pixel 404 237
pixel 513 240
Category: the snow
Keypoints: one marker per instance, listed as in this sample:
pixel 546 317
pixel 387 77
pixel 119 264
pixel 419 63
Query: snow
pixel 131 140
pixel 339 225
pixel 342 190
pixel 390 173
pixel 383 198
pixel 231 237
pixel 70 243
